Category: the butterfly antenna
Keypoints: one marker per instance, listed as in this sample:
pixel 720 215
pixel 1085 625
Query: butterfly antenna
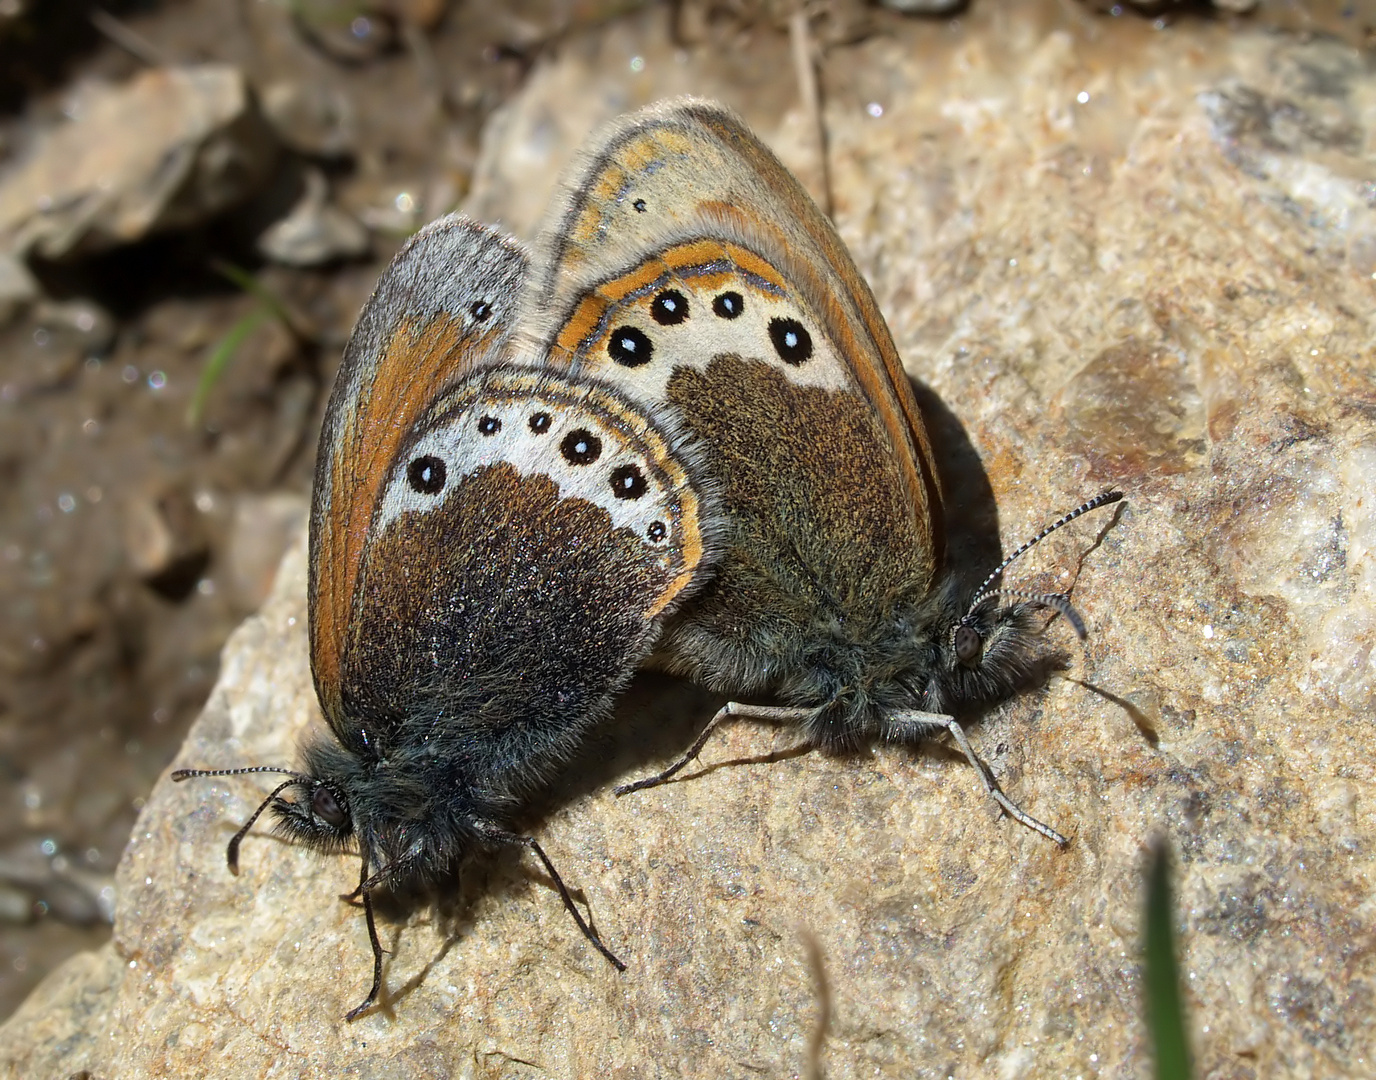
pixel 232 851
pixel 983 593
pixel 187 774
pixel 1056 601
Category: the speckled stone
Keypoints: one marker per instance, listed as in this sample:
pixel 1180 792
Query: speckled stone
pixel 1118 257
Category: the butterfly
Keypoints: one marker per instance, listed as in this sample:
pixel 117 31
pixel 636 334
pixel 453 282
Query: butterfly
pixel 493 550
pixel 685 265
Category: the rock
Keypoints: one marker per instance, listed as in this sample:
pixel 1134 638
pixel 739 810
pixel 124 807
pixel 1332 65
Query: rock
pixel 426 14
pixel 51 886
pixel 58 337
pixel 601 76
pixel 18 288
pixel 16 904
pixel 171 148
pixel 1118 257
pixel 1163 7
pixel 165 539
pixel 12 13
pixel 316 232
pixel 388 211
pixel 350 36
pixel 923 7
pixel 82 326
pixel 311 117
pixel 263 527
pixel 74 1014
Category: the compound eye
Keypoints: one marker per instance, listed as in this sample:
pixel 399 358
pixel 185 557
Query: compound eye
pixel 968 645
pixel 327 806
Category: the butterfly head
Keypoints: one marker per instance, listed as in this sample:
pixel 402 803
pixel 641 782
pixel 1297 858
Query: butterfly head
pixel 412 821
pixel 342 801
pixel 990 653
pixel 316 811
pixel 987 655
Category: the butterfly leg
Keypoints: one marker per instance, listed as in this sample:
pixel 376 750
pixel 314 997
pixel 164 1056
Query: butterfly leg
pixel 916 723
pixel 732 710
pixel 493 834
pixel 365 891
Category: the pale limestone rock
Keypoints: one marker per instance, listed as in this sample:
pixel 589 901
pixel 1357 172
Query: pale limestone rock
pixel 263 528
pixel 312 117
pixel 1161 285
pixel 18 288
pixel 167 150
pixel 315 232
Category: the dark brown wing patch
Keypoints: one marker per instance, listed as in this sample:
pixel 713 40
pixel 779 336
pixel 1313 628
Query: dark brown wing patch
pixel 519 608
pixel 844 553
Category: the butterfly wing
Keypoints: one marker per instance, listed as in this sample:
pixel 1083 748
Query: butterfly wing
pixel 686 265
pixel 532 533
pixel 445 305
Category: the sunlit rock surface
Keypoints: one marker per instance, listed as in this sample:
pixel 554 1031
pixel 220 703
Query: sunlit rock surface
pixel 167 150
pixel 1118 257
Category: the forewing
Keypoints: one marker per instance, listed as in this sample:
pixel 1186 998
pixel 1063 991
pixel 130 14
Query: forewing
pixel 682 197
pixel 443 307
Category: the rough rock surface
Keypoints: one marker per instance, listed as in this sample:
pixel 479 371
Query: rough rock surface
pixel 169 149
pixel 1118 258
pixel 315 232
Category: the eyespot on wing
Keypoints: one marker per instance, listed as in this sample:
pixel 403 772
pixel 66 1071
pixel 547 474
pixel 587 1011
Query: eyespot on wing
pixel 592 450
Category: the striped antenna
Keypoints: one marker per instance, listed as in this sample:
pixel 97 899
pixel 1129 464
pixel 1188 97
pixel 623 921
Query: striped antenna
pixel 983 593
pixel 1056 601
pixel 232 851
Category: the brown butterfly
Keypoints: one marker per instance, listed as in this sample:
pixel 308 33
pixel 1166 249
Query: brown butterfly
pixel 685 265
pixel 493 550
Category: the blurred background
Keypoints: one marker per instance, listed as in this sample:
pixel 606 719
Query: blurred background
pixel 196 197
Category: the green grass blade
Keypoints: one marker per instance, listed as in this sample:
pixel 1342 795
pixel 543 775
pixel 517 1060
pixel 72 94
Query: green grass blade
pixel 1165 1006
pixel 255 288
pixel 219 359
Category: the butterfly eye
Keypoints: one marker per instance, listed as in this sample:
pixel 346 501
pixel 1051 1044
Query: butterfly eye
pixel 426 475
pixel 657 531
pixel 628 482
pixel 581 447
pixel 968 645
pixel 639 205
pixel 791 341
pixel 728 305
pixel 630 347
pixel 480 310
pixel 489 425
pixel 327 806
pixel 539 423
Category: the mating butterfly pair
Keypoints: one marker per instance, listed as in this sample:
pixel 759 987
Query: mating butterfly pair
pixel 684 428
